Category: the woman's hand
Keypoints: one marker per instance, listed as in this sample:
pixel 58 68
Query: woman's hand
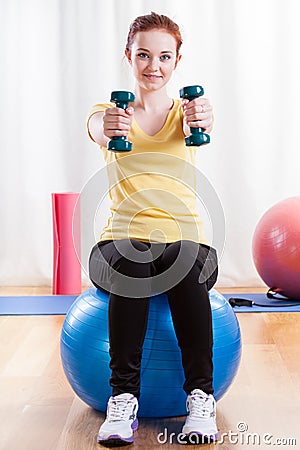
pixel 198 113
pixel 117 121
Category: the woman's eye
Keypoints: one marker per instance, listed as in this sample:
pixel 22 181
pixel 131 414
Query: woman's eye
pixel 165 57
pixel 143 55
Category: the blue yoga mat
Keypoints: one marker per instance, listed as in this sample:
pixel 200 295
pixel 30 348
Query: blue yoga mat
pixel 35 305
pixel 59 304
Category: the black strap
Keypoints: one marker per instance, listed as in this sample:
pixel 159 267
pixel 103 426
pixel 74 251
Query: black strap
pixel 273 293
pixel 240 302
pixel 280 303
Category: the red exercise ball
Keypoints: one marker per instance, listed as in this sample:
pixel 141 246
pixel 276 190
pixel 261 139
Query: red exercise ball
pixel 276 247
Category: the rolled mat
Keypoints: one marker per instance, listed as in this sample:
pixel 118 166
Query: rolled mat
pixel 66 243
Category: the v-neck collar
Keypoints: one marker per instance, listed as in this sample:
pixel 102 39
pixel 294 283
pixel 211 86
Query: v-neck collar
pixel 170 116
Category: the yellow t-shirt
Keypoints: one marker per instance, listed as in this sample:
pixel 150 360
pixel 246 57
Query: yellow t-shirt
pixel 153 187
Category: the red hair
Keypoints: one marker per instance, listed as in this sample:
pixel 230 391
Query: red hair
pixel 154 21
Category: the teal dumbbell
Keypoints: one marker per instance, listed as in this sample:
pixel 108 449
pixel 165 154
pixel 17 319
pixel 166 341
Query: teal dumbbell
pixel 197 137
pixel 121 99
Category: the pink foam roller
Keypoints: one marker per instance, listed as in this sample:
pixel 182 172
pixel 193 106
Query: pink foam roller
pixel 66 243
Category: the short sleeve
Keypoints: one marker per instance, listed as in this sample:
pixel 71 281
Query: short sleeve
pixel 99 107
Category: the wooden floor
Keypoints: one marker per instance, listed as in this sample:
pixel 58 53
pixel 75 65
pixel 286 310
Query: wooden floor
pixel 38 410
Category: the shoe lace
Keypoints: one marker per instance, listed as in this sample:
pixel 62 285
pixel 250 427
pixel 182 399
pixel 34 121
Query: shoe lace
pixel 200 406
pixel 118 410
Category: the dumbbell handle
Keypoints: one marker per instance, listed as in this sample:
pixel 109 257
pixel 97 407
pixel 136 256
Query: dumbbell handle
pixel 197 137
pixel 121 100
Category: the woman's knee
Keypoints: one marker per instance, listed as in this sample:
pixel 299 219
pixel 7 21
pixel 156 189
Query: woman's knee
pixel 122 256
pixel 133 250
pixel 207 262
pixel 198 260
pixel 182 252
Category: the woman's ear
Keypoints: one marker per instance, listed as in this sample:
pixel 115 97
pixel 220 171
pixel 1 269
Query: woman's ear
pixel 178 58
pixel 128 55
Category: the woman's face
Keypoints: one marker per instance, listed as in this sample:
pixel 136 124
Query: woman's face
pixel 153 58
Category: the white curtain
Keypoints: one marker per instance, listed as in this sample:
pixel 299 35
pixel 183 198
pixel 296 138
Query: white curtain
pixel 58 58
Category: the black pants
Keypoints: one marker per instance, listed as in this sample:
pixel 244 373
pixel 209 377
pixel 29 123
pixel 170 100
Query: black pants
pixel 127 270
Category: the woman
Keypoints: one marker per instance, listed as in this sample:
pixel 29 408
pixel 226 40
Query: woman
pixel 153 241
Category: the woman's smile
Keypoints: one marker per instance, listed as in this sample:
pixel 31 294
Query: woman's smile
pixel 152 77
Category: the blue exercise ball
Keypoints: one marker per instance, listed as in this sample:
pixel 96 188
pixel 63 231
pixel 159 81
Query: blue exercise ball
pixel 85 354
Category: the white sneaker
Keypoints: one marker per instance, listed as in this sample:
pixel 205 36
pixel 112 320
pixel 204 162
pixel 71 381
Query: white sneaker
pixel 200 424
pixel 121 421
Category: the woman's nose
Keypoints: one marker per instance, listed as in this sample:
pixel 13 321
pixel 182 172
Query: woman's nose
pixel 154 64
